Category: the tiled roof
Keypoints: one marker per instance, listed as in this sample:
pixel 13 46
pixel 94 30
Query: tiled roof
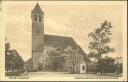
pixel 59 41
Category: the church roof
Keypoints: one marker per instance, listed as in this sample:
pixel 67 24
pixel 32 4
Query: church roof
pixel 59 41
pixel 62 42
pixel 37 9
pixel 29 61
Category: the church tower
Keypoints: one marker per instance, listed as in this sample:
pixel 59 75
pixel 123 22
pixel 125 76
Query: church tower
pixel 37 16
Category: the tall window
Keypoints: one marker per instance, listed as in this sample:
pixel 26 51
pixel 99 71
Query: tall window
pixel 83 67
pixel 39 18
pixel 35 17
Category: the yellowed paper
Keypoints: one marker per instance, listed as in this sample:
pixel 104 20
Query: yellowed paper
pixel 34 29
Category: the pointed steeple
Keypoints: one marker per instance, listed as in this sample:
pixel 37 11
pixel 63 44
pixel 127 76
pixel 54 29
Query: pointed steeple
pixel 37 9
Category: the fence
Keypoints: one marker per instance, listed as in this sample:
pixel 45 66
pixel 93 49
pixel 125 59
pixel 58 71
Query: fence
pixel 107 69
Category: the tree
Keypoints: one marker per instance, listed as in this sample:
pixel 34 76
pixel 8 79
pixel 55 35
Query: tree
pixel 13 59
pixel 18 61
pixel 100 44
pixel 100 40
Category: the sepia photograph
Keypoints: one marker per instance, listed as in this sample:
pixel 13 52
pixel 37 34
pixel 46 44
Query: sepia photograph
pixel 65 40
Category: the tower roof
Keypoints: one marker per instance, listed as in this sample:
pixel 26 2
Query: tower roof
pixel 37 9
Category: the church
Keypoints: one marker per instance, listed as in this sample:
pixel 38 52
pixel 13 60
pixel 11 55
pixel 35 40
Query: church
pixel 65 55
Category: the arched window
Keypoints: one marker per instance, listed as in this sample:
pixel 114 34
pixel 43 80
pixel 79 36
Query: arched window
pixel 40 18
pixel 35 17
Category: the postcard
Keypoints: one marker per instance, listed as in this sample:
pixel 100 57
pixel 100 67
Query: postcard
pixel 63 40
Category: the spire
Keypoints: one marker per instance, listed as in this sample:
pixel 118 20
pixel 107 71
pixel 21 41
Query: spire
pixel 37 9
pixel 37 6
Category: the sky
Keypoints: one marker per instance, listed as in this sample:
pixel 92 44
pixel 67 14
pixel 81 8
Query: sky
pixel 74 20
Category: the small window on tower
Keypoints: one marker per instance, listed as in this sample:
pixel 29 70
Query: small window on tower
pixel 39 18
pixel 35 17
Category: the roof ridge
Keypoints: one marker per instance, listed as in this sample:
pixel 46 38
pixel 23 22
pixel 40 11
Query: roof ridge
pixel 58 36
